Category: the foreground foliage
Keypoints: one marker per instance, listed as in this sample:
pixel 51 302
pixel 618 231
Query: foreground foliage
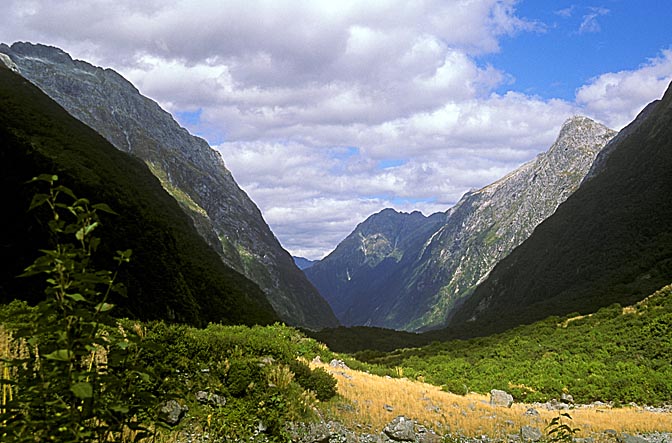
pixel 73 373
pixel 617 354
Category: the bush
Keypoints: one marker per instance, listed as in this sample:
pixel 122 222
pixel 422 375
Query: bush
pixel 322 383
pixel 458 387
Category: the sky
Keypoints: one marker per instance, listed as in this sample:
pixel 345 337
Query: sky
pixel 328 111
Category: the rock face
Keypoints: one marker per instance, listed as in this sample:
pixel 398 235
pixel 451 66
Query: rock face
pixel 192 172
pixel 407 271
pixel 609 242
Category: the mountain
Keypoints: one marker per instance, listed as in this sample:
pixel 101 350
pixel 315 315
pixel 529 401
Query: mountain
pixel 409 272
pixel 303 263
pixel 192 172
pixel 173 274
pixel 609 242
pixel 352 277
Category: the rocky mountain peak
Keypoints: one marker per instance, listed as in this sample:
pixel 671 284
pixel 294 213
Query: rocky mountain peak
pixel 427 266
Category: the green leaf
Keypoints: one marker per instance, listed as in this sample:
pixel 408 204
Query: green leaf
pixel 82 390
pixel 61 355
pixel 104 307
pixel 38 200
pixel 76 297
pixel 103 207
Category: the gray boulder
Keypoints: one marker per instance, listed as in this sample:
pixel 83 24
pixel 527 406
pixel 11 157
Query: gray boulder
pixel 400 429
pixel 172 412
pixel 530 433
pixel 500 398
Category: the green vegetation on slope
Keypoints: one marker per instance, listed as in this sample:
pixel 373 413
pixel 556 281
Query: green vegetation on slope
pixel 72 372
pixel 174 274
pixel 617 354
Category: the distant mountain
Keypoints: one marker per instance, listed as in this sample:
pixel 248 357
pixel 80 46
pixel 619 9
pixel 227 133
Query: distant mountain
pixel 355 277
pixel 173 274
pixel 192 172
pixel 409 272
pixel 303 263
pixel 609 242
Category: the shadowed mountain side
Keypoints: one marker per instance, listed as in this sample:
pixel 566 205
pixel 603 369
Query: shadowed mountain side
pixel 610 242
pixel 173 274
pixel 187 167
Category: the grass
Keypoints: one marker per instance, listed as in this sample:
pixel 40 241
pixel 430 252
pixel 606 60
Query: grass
pixel 362 408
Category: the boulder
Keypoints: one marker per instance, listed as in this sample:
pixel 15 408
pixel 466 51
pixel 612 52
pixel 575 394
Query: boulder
pixel 530 433
pixel 172 412
pixel 400 429
pixel 340 364
pixel 627 438
pixel 566 398
pixel 208 398
pixel 500 398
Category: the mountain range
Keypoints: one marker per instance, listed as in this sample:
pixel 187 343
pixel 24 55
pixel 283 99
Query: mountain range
pixel 609 242
pixel 188 169
pixel 409 272
pixel 582 226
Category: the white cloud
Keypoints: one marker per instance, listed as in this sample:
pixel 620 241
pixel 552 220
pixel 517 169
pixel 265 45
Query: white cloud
pixel 327 111
pixel 589 23
pixel 615 98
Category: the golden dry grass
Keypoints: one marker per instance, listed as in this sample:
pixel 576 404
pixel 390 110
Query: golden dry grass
pixel 365 397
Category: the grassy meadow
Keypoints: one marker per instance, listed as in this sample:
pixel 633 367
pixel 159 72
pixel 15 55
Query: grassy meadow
pixel 363 397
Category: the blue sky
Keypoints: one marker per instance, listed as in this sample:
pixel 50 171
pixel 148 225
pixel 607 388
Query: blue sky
pixel 581 40
pixel 328 111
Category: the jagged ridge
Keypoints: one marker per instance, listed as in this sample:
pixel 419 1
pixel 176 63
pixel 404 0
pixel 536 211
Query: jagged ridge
pixel 439 260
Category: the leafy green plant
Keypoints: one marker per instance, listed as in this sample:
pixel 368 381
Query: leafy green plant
pixel 79 380
pixel 559 430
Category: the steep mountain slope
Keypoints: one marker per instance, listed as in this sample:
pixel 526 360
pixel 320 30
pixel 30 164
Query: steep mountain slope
pixel 188 169
pixel 351 277
pixel 173 274
pixel 611 241
pixel 303 263
pixel 438 261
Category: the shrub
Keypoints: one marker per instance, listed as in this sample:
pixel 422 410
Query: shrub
pixel 78 379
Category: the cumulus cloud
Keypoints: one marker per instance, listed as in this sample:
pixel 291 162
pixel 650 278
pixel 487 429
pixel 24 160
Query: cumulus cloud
pixel 615 98
pixel 326 111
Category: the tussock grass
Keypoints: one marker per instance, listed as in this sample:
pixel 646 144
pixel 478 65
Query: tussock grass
pixel 364 398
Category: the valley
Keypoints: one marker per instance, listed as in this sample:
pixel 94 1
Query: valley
pixel 156 304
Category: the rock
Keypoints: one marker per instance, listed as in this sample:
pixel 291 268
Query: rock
pixel 5 60
pixel 400 429
pixel 424 435
pixel 567 398
pixel 533 412
pixel 530 433
pixel 627 438
pixel 204 397
pixel 388 408
pixel 500 398
pixel 340 364
pixel 555 405
pixel 172 412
